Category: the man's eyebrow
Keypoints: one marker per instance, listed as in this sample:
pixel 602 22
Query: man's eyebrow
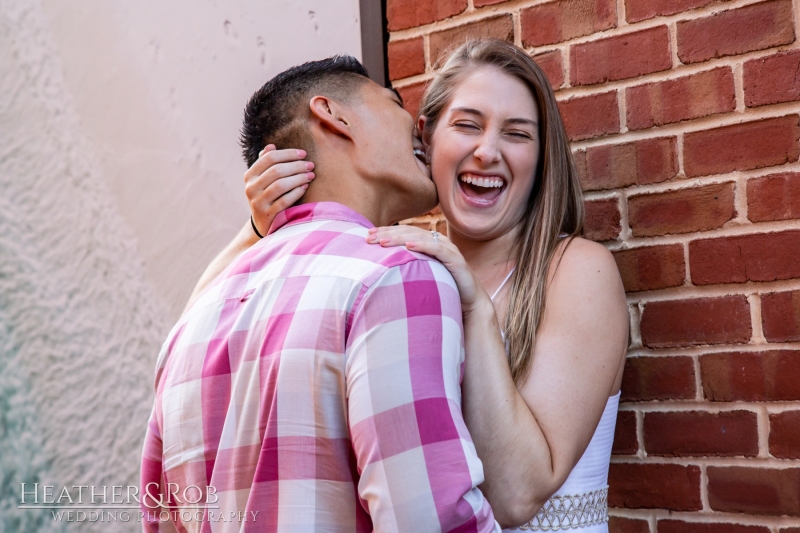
pixel 397 94
pixel 514 120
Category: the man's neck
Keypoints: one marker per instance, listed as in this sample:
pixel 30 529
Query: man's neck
pixel 347 187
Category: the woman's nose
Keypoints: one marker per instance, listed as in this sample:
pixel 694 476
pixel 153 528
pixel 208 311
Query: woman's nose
pixel 488 150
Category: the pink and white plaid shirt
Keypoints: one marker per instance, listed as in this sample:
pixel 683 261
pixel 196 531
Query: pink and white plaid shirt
pixel 315 387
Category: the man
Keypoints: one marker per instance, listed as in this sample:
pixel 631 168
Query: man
pixel 314 386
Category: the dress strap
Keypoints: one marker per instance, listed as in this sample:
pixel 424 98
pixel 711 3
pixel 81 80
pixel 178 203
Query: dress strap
pixel 508 277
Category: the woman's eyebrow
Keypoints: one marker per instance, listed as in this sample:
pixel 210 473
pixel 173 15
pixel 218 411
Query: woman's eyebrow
pixel 515 120
pixel 522 121
pixel 468 110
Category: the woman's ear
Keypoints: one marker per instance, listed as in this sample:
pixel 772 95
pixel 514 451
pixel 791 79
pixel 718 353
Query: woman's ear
pixel 331 115
pixel 424 134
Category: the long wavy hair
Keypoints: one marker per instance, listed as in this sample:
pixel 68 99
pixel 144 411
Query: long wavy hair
pixel 555 206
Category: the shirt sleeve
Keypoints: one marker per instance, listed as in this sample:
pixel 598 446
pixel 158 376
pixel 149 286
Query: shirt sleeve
pixel 418 467
pixel 152 483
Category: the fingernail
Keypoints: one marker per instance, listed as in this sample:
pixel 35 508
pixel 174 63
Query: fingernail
pixel 310 175
pixel 305 186
pixel 309 166
pixel 386 241
pixel 372 230
pixel 301 153
pixel 370 238
pixel 410 244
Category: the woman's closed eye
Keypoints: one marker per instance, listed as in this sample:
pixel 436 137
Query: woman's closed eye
pixel 520 135
pixel 466 125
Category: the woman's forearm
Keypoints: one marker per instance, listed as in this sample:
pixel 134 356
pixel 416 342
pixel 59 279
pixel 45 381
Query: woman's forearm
pixel 519 473
pixel 243 240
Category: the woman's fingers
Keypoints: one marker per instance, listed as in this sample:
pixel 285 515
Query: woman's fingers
pixel 277 180
pixel 399 235
pixel 270 157
pixel 265 212
pixel 273 193
pixel 437 250
pixel 274 182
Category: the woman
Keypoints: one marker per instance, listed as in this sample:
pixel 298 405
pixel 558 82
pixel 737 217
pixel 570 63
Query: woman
pixel 540 394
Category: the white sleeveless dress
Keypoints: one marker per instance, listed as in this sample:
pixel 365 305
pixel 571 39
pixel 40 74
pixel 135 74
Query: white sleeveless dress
pixel 582 501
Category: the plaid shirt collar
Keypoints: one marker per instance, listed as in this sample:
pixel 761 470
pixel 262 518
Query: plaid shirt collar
pixel 318 211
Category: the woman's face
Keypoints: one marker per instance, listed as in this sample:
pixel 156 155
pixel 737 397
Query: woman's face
pixel 484 153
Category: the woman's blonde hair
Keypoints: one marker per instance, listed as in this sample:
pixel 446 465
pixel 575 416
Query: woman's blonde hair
pixel 555 206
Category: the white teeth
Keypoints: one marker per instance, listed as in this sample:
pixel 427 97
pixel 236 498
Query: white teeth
pixel 482 182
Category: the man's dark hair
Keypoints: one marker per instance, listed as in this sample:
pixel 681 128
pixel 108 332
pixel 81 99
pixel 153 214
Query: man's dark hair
pixel 277 113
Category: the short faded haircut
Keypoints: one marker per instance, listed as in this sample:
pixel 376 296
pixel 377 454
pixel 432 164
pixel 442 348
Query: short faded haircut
pixel 278 112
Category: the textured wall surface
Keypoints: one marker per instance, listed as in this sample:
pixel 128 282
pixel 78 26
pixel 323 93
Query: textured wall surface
pixel 120 177
pixel 684 121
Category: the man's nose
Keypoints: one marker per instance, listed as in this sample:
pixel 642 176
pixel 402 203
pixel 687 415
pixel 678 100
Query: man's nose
pixel 488 149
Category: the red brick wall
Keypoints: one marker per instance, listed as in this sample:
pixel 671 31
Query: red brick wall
pixel 684 121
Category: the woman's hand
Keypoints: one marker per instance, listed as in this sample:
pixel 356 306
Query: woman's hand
pixel 276 181
pixel 472 293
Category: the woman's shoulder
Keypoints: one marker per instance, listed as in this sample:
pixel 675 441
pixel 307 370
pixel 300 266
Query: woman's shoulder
pixel 578 258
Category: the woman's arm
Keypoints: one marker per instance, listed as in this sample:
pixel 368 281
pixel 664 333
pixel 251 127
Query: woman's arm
pixel 530 440
pixel 277 180
pixel 530 446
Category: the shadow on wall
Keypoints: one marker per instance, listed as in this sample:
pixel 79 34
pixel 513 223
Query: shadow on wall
pixel 79 325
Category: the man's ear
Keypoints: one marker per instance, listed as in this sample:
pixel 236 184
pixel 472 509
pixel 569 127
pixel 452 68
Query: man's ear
pixel 331 115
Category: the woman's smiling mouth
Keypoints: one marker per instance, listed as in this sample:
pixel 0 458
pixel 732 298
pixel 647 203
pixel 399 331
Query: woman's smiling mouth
pixel 481 190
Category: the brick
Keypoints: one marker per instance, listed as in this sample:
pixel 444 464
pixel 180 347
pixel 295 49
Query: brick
pixel 402 14
pixel 790 530
pixel 681 211
pixel 780 314
pixel 602 220
pixel 745 146
pixel 612 166
pixel 553 66
pixel 590 116
pixel 651 268
pixel 752 490
pixel 441 227
pixel 755 257
pixel 751 377
pixel 620 57
pixel 679 526
pixel 421 224
pixel 555 22
pixel 654 486
pixel 443 42
pixel 774 197
pixel 772 80
pixel 699 95
pixel 784 435
pixel 406 58
pixel 618 524
pixel 658 378
pixel 701 434
pixel 625 440
pixel 696 321
pixel 481 3
pixel 737 31
pixel 412 96
pixel 636 10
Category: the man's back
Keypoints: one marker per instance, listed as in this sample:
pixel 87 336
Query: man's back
pixel 314 386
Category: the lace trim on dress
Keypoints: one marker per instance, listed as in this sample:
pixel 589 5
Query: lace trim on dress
pixel 571 512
